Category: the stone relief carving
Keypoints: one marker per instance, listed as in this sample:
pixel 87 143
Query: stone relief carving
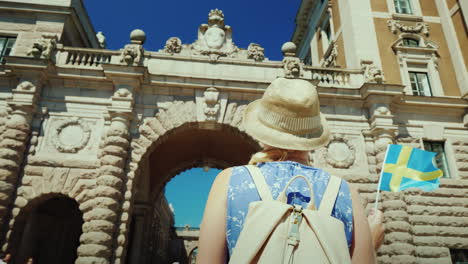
pixel 123 93
pixel 26 86
pixel 292 65
pixel 215 38
pixel 330 60
pixel 71 136
pixel 173 45
pixel 211 106
pixel 44 47
pixel 420 27
pixel 340 152
pixel 256 52
pixel 133 53
pixel 371 72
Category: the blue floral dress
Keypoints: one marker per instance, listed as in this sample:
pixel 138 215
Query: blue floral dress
pixel 242 191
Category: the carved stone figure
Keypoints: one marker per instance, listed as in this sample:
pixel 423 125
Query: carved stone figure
pixel 173 45
pixel 133 53
pixel 101 40
pixel 215 38
pixel 371 72
pixel 123 92
pixel 44 47
pixel 292 65
pixel 211 105
pixel 256 52
pixel 420 27
pixel 330 60
pixel 26 86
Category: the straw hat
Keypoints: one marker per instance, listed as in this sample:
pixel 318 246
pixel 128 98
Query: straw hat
pixel 288 116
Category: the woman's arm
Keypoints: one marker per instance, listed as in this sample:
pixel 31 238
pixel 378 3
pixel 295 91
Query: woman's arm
pixel 377 227
pixel 212 241
pixel 362 250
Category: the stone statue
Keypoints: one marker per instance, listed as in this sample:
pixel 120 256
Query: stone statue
pixel 371 72
pixel 256 52
pixel 292 65
pixel 101 40
pixel 173 45
pixel 132 54
pixel 215 38
pixel 44 47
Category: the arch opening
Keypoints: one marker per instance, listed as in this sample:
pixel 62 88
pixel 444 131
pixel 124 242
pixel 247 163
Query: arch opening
pixel 153 236
pixel 47 232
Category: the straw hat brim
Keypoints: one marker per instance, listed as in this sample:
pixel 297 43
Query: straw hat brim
pixel 276 138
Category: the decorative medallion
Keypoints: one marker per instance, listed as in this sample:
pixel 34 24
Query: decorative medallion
pixel 340 153
pixel 71 136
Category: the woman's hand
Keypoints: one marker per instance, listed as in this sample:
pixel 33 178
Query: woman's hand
pixel 377 227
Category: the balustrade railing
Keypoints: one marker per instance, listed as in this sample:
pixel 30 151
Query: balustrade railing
pixel 85 57
pixel 335 77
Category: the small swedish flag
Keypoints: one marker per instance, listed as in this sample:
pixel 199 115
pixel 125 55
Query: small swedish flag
pixel 406 167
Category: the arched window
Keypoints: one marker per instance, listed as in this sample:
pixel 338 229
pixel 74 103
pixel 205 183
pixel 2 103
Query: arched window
pixel 410 42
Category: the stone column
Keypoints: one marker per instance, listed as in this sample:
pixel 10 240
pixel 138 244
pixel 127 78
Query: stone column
pixel 102 210
pixel 14 140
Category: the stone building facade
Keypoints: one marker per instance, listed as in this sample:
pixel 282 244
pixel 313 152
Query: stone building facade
pixel 89 137
pixel 419 48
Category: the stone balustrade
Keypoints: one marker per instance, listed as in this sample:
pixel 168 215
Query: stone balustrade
pixel 77 57
pixel 332 77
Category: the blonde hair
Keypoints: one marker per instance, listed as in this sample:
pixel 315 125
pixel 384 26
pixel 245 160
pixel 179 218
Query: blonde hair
pixel 268 155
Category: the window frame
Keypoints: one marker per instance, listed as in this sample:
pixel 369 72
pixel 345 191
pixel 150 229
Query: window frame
pixel 398 7
pixel 445 159
pixel 4 47
pixel 418 82
pixel 406 42
pixel 415 8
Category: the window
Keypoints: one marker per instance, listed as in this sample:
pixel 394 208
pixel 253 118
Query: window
pixel 328 32
pixel 459 256
pixel 403 6
pixel 440 159
pixel 410 42
pixel 308 58
pixel 6 45
pixel 420 83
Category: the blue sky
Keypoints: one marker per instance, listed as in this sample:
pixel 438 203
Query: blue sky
pixel 269 23
pixel 187 193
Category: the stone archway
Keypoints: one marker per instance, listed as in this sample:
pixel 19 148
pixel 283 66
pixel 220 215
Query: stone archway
pixel 47 231
pixel 177 130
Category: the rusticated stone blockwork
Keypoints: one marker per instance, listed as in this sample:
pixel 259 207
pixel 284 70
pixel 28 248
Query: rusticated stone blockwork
pixel 98 133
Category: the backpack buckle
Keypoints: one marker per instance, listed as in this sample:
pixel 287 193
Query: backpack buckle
pixel 296 219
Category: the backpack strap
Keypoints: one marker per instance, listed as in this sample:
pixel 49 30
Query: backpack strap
pixel 260 183
pixel 329 197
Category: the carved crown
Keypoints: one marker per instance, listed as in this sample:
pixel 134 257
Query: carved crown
pixel 216 17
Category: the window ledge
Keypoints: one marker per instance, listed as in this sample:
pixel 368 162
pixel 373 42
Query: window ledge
pixel 407 17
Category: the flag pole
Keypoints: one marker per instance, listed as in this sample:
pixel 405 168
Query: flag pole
pixel 376 204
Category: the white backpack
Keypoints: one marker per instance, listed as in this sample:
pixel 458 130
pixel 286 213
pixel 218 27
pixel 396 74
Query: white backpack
pixel 276 232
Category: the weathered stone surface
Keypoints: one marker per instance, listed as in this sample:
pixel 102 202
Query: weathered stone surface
pixel 98 225
pixel 100 214
pixel 98 238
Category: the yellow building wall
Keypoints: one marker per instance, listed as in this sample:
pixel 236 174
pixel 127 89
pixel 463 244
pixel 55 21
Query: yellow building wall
pixel 341 59
pixel 385 38
pixel 446 70
pixel 319 45
pixel 451 3
pixel 428 8
pixel 336 16
pixel 462 33
pixel 379 5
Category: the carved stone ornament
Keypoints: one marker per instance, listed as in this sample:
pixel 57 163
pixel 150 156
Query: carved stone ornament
pixel 173 45
pixel 211 106
pixel 330 60
pixel 256 52
pixel 101 40
pixel 71 136
pixel 26 86
pixel 340 153
pixel 123 93
pixel 215 38
pixel 132 54
pixel 372 74
pixel 292 65
pixel 44 47
pixel 420 27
